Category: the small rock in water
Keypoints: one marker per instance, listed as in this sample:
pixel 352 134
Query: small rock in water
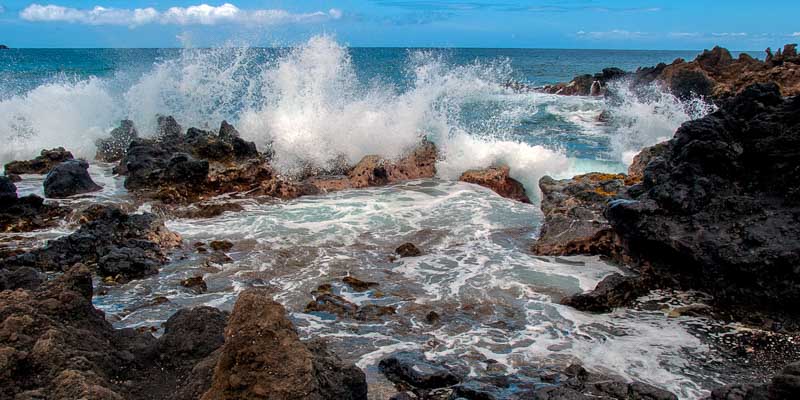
pixel 412 368
pixel 613 291
pixel 498 180
pixel 220 245
pixel 432 317
pixel 358 285
pixel 408 250
pixel 196 284
pixel 69 178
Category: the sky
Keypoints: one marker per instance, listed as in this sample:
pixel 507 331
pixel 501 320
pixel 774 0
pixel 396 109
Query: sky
pixel 582 24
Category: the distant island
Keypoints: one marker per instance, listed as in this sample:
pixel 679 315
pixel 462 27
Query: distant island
pixel 3 47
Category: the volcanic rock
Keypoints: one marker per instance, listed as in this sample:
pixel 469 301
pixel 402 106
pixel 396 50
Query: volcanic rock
pixel 69 178
pixel 414 370
pixel 408 250
pixel 41 164
pixel 498 180
pixel 131 246
pixel 264 358
pixel 784 385
pixel 113 149
pixel 613 291
pixel 358 285
pixel 573 210
pixel 22 214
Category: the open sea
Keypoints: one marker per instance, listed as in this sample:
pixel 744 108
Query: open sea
pixel 320 102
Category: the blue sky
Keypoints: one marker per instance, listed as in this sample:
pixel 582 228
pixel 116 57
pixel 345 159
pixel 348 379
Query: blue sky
pixel 674 24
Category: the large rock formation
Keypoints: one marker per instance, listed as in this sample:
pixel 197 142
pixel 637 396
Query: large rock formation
pixel 784 385
pixel 22 214
pixel 121 246
pixel 263 358
pixel 718 211
pixel 499 180
pixel 714 73
pixel 41 164
pixel 714 208
pixel 68 179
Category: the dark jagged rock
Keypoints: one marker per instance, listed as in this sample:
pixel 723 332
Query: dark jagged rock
pixel 264 358
pixel 613 291
pixel 195 284
pixel 408 250
pixel 413 369
pixel 69 178
pixel 168 128
pixel 358 285
pixel 192 334
pixel 573 212
pixel 640 161
pixel 113 149
pixel 716 212
pixel 21 214
pixel 20 278
pixel 498 180
pixel 325 301
pixel 714 73
pixel 41 164
pixel 130 246
pixel 784 385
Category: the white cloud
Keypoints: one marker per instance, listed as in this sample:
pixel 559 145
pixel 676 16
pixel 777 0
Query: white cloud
pixel 612 34
pixel 202 14
pixel 796 34
pixel 730 34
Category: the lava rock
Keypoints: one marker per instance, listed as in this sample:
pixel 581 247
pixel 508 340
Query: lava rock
pixel 613 291
pixel 498 180
pixel 196 284
pixel 264 358
pixel 69 178
pixel 41 164
pixel 112 149
pixel 221 245
pixel 413 369
pixel 408 250
pixel 358 285
pixel 193 333
pixel 22 214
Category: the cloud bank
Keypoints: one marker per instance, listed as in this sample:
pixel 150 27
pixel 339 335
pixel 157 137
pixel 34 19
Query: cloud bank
pixel 202 14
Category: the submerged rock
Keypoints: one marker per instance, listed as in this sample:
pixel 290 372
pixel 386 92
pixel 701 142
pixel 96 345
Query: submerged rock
pixel 498 180
pixel 41 164
pixel 128 246
pixel 408 250
pixel 69 178
pixel 573 211
pixel 264 358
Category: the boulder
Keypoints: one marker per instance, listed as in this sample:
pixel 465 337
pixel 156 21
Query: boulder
pixel 41 164
pixel 192 334
pixel 264 358
pixel 112 149
pixel 573 214
pixel 498 180
pixel 413 369
pixel 408 250
pixel 613 291
pixel 68 179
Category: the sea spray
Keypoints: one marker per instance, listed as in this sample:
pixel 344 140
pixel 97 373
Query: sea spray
pixel 647 115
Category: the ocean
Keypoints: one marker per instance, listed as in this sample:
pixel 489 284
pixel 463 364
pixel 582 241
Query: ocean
pixel 320 102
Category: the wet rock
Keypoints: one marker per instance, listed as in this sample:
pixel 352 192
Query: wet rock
pixel 264 358
pixel 711 214
pixel 221 245
pixel 168 128
pixel 573 210
pixel 196 284
pixel 193 334
pixel 641 160
pixel 207 210
pixel 69 178
pixel 358 285
pixel 432 317
pixel 130 246
pixel 332 304
pixel 112 149
pixel 587 85
pixel 22 214
pixel 613 291
pixel 408 250
pixel 41 164
pixel 376 171
pixel 20 278
pixel 498 180
pixel 414 370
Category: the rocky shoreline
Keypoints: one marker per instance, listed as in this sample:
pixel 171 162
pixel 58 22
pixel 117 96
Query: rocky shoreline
pixel 714 210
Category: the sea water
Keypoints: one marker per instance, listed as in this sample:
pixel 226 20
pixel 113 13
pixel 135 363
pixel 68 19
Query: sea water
pixel 319 103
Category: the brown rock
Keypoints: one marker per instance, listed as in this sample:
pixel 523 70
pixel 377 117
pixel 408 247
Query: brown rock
pixel 221 245
pixel 358 285
pixel 636 169
pixel 408 250
pixel 497 179
pixel 196 284
pixel 263 358
pixel 573 211
pixel 41 164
